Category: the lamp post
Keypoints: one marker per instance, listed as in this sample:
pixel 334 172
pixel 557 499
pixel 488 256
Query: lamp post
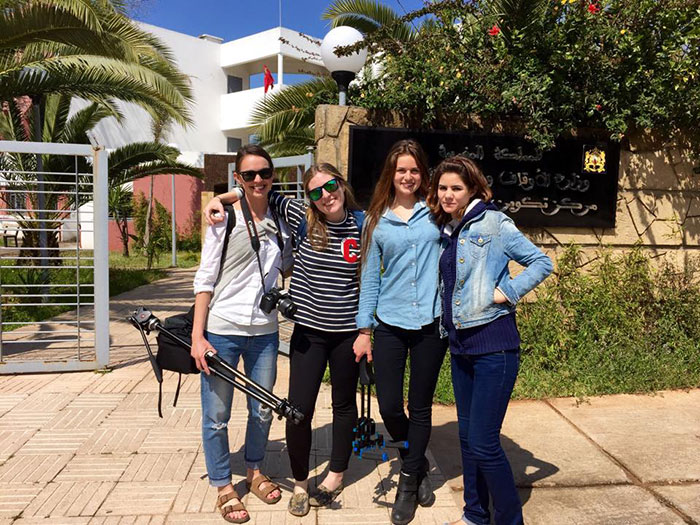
pixel 343 68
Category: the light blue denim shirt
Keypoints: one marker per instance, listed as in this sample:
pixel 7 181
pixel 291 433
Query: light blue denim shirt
pixel 406 294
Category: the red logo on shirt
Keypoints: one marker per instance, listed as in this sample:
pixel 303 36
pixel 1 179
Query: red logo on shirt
pixel 351 250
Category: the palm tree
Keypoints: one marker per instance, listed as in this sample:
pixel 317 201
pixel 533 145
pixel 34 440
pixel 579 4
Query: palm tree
pixel 285 120
pixel 87 49
pixel 126 163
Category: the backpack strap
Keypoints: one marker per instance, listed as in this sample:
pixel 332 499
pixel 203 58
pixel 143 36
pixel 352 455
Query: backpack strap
pixel 301 230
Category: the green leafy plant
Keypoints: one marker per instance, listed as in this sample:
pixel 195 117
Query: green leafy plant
pixel 160 234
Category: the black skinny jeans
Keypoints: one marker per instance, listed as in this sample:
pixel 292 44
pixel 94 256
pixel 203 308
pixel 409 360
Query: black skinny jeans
pixel 391 348
pixel 310 351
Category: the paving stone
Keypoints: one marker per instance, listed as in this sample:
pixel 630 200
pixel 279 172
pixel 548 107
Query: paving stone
pixel 23 420
pixel 131 419
pixel 33 468
pixel 672 455
pixel 25 383
pixel 107 467
pixel 158 467
pixel 195 496
pixel 352 516
pixel 108 386
pixel 11 441
pixel 686 498
pixel 63 520
pixel 128 520
pixel 139 498
pixel 9 401
pixel 45 402
pixel 55 441
pixel 62 499
pixel 14 497
pixel 562 456
pixel 78 418
pixel 92 400
pixel 70 382
pixel 612 505
pixel 114 441
pixel 164 440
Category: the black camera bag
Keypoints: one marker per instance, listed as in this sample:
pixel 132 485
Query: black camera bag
pixel 173 355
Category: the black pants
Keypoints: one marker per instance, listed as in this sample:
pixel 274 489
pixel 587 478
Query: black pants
pixel 310 351
pixel 391 348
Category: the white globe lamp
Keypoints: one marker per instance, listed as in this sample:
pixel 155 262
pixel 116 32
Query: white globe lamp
pixel 343 68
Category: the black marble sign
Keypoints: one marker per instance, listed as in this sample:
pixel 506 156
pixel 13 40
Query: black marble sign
pixel 573 184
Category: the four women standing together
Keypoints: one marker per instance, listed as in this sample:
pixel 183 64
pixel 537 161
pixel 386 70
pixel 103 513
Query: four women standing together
pixel 434 269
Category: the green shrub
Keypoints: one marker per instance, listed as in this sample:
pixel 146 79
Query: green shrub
pixel 161 229
pixel 619 326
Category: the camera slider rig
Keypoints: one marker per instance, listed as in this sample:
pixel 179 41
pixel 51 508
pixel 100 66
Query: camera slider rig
pixel 146 322
pixel 366 438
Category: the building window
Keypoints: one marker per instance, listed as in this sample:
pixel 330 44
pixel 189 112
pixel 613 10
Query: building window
pixel 235 84
pixel 233 144
pixel 253 139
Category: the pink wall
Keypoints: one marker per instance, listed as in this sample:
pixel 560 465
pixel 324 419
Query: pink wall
pixel 187 202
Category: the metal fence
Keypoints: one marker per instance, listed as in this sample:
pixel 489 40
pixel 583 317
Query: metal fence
pixel 54 259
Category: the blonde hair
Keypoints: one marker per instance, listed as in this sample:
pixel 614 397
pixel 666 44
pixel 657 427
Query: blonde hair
pixel 316 224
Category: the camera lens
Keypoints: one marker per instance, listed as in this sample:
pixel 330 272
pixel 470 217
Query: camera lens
pixel 286 307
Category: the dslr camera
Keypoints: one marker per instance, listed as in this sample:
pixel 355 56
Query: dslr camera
pixel 275 298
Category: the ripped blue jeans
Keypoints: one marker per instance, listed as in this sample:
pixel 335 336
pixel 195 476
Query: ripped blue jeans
pixel 260 364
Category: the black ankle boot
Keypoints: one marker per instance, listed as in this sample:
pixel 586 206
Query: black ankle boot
pixel 426 497
pixel 406 499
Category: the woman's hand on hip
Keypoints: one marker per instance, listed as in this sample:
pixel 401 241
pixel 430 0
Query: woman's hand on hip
pixel 498 297
pixel 200 346
pixel 362 346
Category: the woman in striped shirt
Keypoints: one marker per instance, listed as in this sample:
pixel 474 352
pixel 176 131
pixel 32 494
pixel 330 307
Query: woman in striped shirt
pixel 325 288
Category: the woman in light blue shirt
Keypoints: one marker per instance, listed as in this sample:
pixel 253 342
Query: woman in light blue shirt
pixel 399 301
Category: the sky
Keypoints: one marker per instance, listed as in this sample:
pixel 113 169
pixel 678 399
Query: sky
pixel 230 19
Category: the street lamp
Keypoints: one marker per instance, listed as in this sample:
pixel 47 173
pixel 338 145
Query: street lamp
pixel 343 68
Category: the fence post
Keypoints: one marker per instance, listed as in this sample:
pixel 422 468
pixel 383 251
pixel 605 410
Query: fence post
pixel 101 256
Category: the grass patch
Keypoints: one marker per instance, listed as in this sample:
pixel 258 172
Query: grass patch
pixel 125 273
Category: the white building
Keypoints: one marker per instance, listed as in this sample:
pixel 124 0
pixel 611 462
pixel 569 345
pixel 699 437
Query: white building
pixel 221 78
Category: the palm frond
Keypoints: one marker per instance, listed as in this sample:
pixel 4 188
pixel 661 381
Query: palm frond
pixel 367 16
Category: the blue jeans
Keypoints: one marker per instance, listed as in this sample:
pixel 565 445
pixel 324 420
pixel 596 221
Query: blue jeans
pixel 482 386
pixel 260 364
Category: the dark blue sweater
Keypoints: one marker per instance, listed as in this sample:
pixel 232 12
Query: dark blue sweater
pixel 501 333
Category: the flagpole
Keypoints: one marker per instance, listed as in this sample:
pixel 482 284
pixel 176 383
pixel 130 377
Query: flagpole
pixel 280 1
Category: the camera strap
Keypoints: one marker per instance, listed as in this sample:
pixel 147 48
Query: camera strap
pixel 255 239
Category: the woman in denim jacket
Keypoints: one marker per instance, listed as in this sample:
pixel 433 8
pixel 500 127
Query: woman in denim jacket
pixel 478 302
pixel 399 300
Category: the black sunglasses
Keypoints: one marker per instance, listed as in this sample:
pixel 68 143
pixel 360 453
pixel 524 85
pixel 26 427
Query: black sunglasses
pixel 330 186
pixel 249 175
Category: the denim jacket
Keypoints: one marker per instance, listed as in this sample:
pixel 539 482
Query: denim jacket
pixel 405 294
pixel 487 243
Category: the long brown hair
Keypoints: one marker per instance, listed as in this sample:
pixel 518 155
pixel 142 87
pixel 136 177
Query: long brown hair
pixel 472 177
pixel 316 225
pixel 385 193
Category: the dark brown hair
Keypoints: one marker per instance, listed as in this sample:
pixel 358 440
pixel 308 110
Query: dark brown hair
pixel 316 227
pixel 251 149
pixel 385 193
pixel 471 176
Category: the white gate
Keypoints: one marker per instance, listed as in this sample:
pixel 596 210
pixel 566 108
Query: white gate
pixel 54 258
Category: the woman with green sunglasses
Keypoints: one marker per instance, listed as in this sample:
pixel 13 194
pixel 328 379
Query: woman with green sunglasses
pixel 325 288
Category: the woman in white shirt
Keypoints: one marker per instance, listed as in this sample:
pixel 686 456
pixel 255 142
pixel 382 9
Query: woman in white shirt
pixel 228 320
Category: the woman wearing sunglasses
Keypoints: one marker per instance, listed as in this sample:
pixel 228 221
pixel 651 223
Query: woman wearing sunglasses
pixel 399 300
pixel 325 288
pixel 229 321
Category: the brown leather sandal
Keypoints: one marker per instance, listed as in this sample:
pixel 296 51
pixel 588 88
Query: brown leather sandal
pixel 227 509
pixel 262 494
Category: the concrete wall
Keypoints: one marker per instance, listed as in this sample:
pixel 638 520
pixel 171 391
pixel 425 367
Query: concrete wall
pixel 658 202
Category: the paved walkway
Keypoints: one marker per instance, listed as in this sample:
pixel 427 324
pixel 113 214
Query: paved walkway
pixel 90 448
